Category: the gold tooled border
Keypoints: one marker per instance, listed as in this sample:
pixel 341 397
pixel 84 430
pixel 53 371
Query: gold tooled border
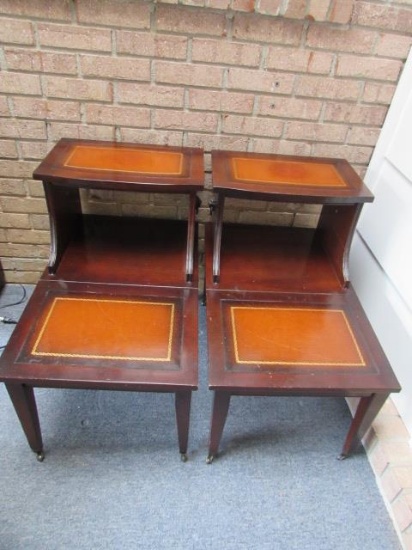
pixel 109 357
pixel 153 173
pixel 296 363
pixel 274 182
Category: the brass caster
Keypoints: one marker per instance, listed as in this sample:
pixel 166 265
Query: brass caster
pixel 40 456
pixel 210 459
pixel 342 457
pixel 183 457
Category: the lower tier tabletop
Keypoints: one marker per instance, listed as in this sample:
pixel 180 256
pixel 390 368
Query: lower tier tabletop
pixel 294 344
pixel 105 336
pixel 285 344
pixel 127 250
pixel 271 259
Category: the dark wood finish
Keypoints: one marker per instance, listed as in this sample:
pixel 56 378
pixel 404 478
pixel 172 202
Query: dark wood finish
pixel 296 179
pixel 266 258
pixel 117 307
pixel 111 165
pixel 23 400
pixel 82 164
pixel 295 359
pixel 288 178
pixel 115 250
pixel 282 318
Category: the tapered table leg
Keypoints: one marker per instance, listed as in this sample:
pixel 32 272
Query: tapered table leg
pixel 182 405
pixel 366 412
pixel 24 402
pixel 221 404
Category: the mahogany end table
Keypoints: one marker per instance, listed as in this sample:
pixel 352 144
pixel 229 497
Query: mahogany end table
pixel 282 316
pixel 116 308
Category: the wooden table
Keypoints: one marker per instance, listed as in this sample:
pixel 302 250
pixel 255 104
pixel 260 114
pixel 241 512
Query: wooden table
pixel 282 317
pixel 116 308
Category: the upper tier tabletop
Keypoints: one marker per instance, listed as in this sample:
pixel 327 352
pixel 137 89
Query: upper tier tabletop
pixel 287 178
pixel 123 166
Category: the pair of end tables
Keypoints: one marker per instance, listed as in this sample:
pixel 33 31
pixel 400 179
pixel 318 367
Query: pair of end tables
pixel 117 307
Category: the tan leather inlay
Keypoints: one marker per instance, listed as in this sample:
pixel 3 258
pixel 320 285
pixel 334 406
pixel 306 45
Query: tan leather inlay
pixel 286 172
pixel 126 159
pixel 293 336
pixel 107 329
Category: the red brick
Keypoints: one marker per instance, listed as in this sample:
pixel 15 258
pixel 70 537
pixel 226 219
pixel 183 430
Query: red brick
pixel 378 93
pixel 336 39
pixel 4 106
pixel 149 94
pixel 40 221
pixel 244 5
pixel 127 13
pixel 383 16
pixel 370 115
pixel 8 149
pixel 28 107
pixel 24 250
pixel 13 31
pixel 179 120
pixel 368 67
pixel 228 53
pixel 288 147
pixel 151 45
pixel 318 10
pixel 359 135
pixel 115 67
pixel 42 62
pixel 311 131
pixel 393 45
pixel 402 512
pixel 330 88
pixel 233 124
pixel 189 21
pixel 341 12
pixel 33 149
pixel 117 116
pixel 296 9
pixel 15 220
pixel 16 83
pixel 270 7
pixel 172 138
pixel 76 88
pixel 12 186
pixel 43 9
pixel 260 81
pixel 75 38
pixel 390 485
pixel 21 236
pixel 303 61
pixel 220 101
pixel 188 74
pixel 257 28
pixel 354 154
pixel 58 130
pixel 218 4
pixel 34 187
pixel 10 128
pixel 284 107
pixel 23 205
pixel 209 142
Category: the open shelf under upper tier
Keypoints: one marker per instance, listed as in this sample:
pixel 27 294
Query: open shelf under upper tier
pixel 125 250
pixel 268 258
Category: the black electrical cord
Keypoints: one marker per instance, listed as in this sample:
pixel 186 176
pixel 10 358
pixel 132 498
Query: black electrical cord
pixel 20 301
pixel 9 320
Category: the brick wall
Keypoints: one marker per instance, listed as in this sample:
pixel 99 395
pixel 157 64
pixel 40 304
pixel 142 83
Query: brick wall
pixel 310 77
